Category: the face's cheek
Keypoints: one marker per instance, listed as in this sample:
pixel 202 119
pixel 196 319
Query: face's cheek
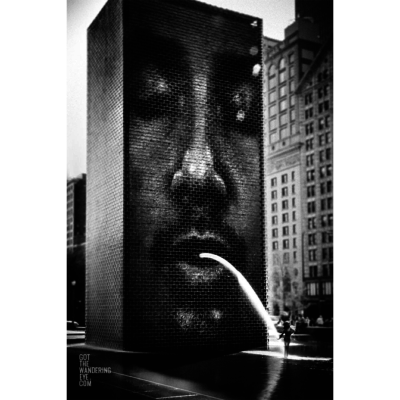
pixel 245 207
pixel 152 154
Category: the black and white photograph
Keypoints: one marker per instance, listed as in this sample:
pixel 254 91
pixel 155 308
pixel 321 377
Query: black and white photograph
pixel 200 199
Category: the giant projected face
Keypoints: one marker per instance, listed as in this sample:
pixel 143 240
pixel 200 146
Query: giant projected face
pixel 194 166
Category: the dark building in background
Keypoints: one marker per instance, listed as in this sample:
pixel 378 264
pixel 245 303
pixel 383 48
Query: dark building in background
pixel 293 203
pixel 76 211
pixel 319 12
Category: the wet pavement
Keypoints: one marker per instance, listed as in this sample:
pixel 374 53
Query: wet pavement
pixel 247 375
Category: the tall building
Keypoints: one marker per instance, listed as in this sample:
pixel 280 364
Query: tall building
pixel 315 97
pixel 76 211
pixel 288 65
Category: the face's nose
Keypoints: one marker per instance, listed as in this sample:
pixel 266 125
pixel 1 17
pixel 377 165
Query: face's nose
pixel 197 180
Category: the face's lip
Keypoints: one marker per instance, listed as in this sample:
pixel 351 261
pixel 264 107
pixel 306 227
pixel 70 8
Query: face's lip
pixel 186 248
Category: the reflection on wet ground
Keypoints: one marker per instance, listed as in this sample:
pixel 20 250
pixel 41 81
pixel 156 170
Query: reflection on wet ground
pixel 254 374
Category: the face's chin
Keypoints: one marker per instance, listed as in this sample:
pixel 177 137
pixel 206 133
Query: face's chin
pixel 198 292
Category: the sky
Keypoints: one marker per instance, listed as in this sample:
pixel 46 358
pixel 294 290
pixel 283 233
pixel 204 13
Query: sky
pixel 276 14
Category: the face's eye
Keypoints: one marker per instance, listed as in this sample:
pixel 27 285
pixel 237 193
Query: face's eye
pixel 155 95
pixel 241 103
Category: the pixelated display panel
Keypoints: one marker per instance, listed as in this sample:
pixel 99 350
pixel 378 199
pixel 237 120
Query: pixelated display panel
pixel 105 185
pixel 192 181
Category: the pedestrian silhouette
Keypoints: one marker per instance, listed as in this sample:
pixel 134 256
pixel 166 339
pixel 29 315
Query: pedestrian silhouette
pixel 286 334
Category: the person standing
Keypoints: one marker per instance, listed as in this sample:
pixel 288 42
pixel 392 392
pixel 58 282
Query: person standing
pixel 286 334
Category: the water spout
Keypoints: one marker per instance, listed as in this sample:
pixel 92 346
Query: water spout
pixel 248 291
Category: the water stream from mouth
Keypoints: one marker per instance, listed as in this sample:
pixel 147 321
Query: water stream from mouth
pixel 248 291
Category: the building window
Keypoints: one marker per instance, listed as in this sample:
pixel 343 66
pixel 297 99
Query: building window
pixel 293 189
pixel 328 121
pixel 313 271
pixel 285 205
pixel 275 245
pixel 273 137
pixel 285 191
pixel 326 105
pixel 321 122
pixel 293 129
pixel 286 244
pixel 274 195
pixel 324 220
pixel 275 232
pixel 322 172
pixel 292 115
pixel 310 175
pixel 309 113
pixel 291 71
pixel 274 207
pixel 286 258
pixel 284 178
pixel 283 119
pixel 283 105
pixel 311 223
pixel 320 93
pixel 292 101
pixel 327 237
pixel 274 220
pixel 327 288
pixel 320 108
pixel 294 243
pixel 294 216
pixel 285 217
pixel 328 137
pixel 272 110
pixel 282 76
pixel 282 91
pixel 325 253
pixel 285 231
pixel 322 188
pixel 312 289
pixel 294 202
pixel 330 219
pixel 309 128
pixel 273 182
pixel 312 255
pixel 272 96
pixel 272 124
pixel 295 256
pixel 272 77
pixel 323 203
pixel 311 239
pixel 329 170
pixel 329 201
pixel 329 186
pixel 291 86
pixel 294 229
pixel 293 175
pixel 291 58
pixel 309 144
pixel 321 140
pixel 308 99
pixel 311 191
pixel 311 207
pixel 310 160
pixel 328 153
pixel 322 156
pixel 284 133
pixel 326 90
